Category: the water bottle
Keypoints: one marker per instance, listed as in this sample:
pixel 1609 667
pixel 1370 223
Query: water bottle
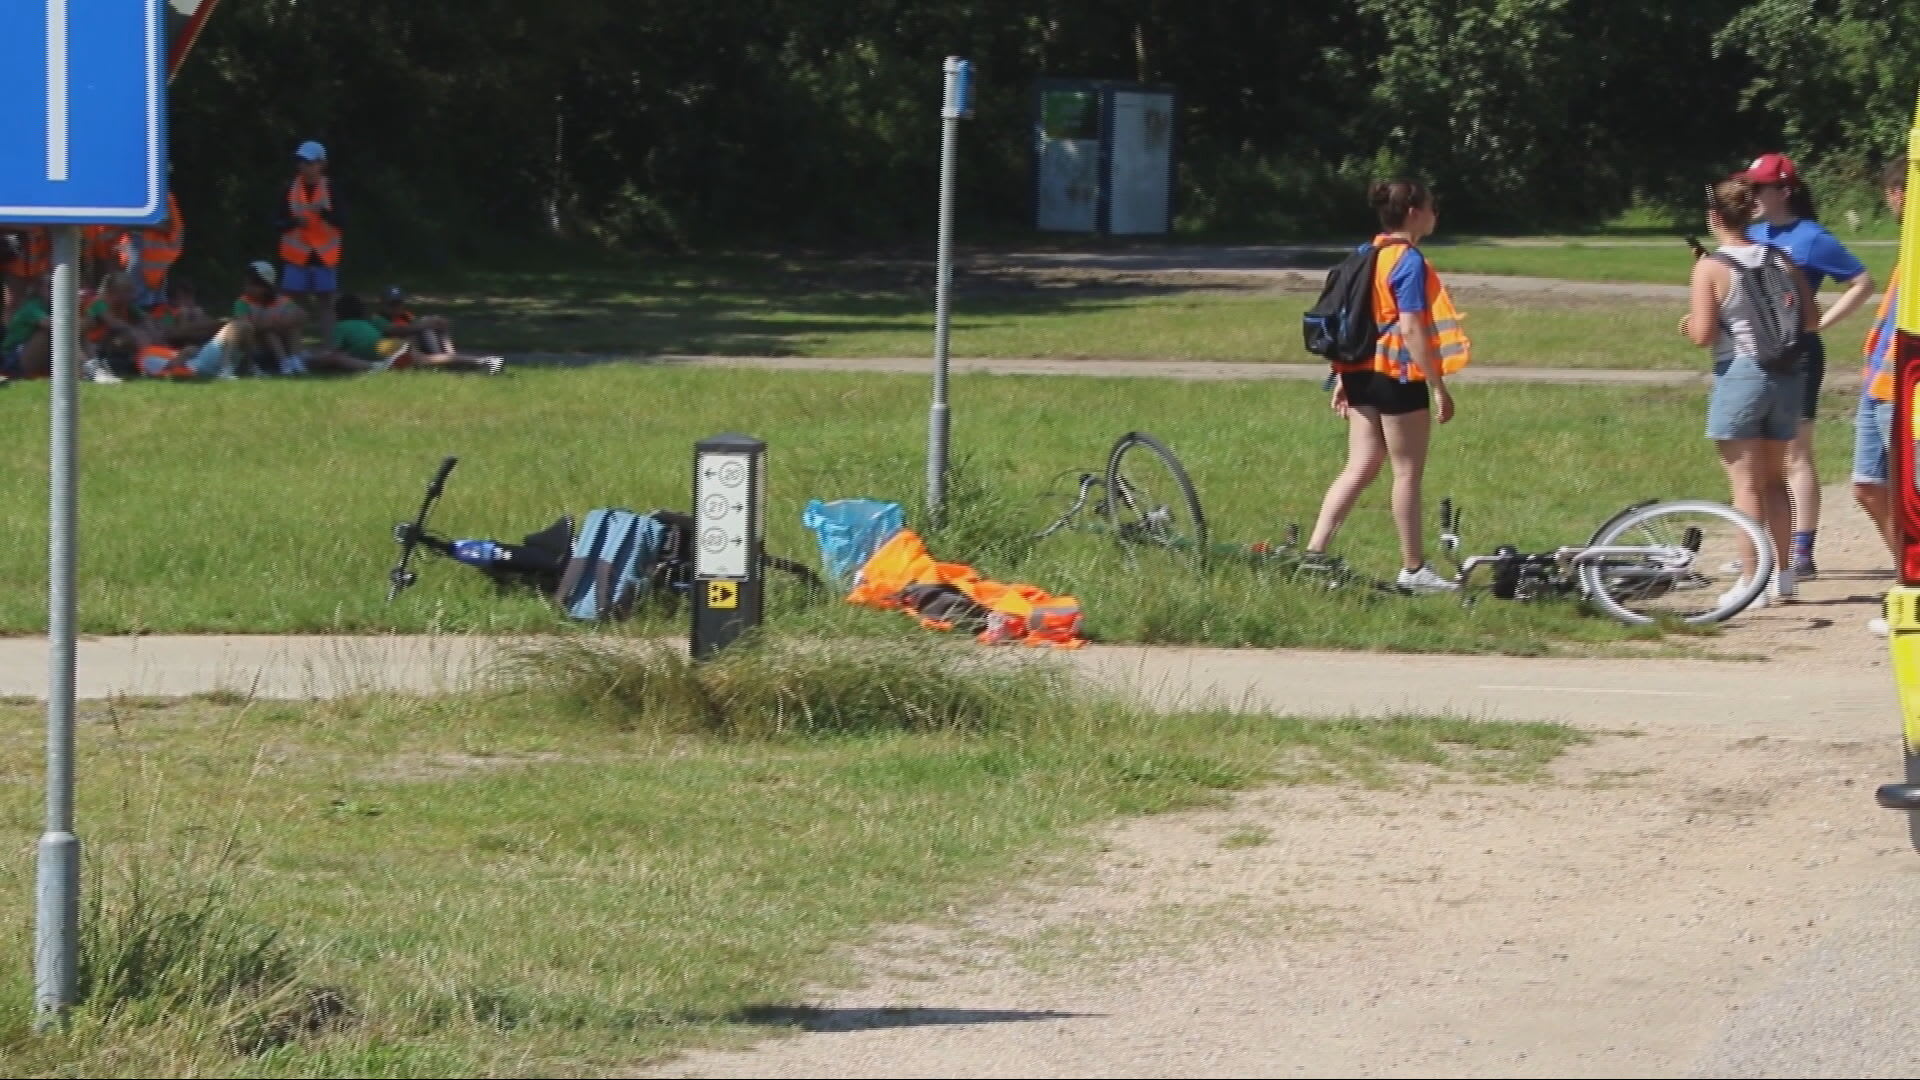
pixel 479 552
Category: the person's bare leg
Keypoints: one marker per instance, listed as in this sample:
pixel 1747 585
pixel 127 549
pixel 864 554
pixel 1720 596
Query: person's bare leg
pixel 1736 457
pixel 1408 435
pixel 1771 476
pixel 1803 482
pixel 1366 452
pixel 1877 501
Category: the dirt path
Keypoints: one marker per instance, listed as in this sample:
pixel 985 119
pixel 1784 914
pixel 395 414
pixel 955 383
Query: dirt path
pixel 1715 896
pixel 1197 370
pixel 1307 263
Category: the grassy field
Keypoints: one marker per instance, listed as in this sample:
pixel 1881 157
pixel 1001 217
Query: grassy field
pixel 263 506
pixel 739 316
pixel 1665 261
pixel 811 307
pixel 614 859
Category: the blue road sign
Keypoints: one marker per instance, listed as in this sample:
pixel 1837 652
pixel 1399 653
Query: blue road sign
pixel 92 149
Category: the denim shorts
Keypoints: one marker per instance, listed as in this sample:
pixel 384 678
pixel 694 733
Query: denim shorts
pixel 1872 436
pixel 309 279
pixel 1748 403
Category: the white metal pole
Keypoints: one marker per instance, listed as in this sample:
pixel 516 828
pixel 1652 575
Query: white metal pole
pixel 57 927
pixel 954 105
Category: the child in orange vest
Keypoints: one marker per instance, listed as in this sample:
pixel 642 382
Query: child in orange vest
pixel 310 239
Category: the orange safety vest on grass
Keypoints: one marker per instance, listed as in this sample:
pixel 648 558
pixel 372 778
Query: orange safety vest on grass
pixel 1877 374
pixel 310 236
pixel 1445 332
pixel 163 362
pixel 156 248
pixel 1015 613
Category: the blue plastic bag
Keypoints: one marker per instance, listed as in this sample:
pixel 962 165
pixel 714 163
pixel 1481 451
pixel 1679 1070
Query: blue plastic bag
pixel 850 531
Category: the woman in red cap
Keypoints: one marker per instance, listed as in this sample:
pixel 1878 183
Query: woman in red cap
pixel 1787 221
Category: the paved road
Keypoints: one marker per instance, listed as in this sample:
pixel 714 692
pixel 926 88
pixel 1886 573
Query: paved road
pixel 1666 696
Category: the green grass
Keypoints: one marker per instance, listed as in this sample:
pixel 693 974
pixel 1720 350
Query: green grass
pixel 773 306
pixel 1253 323
pixel 558 879
pixel 261 506
pixel 1654 262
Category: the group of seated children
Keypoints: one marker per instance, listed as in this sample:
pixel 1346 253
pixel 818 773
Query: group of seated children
pixel 177 339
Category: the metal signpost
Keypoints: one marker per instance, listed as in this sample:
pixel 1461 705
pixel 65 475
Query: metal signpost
pixel 729 530
pixel 103 130
pixel 958 104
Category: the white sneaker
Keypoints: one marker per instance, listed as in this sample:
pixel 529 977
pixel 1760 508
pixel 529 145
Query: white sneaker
pixel 96 370
pixel 1783 589
pixel 1877 627
pixel 1734 593
pixel 492 364
pixel 294 365
pixel 1424 580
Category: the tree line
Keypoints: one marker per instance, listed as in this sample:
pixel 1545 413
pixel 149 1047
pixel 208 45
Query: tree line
pixel 463 129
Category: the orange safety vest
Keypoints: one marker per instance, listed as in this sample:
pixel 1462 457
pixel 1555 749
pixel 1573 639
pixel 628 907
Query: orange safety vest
pixel 36 254
pixel 104 246
pixel 163 362
pixel 1877 374
pixel 1015 613
pixel 1445 332
pixel 155 249
pixel 310 236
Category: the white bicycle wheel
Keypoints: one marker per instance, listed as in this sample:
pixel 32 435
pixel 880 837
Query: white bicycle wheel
pixel 1670 560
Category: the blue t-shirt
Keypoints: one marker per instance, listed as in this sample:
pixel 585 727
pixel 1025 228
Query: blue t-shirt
pixel 1813 249
pixel 1407 279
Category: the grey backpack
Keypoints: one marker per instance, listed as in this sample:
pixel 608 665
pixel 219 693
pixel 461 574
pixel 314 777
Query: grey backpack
pixel 1769 299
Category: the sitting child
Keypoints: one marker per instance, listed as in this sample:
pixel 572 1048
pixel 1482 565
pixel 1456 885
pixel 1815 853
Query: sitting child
pixel 179 319
pixel 212 359
pixel 114 330
pixel 384 345
pixel 430 335
pixel 276 322
pixel 27 349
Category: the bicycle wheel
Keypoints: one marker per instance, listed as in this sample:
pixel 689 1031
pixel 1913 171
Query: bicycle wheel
pixel 1150 500
pixel 1671 563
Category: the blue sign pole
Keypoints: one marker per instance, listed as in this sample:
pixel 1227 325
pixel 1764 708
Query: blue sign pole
pixel 95 154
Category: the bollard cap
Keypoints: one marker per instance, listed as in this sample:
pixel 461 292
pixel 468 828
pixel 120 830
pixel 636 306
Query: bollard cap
pixel 731 442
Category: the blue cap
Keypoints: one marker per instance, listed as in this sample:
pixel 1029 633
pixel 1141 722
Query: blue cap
pixel 311 151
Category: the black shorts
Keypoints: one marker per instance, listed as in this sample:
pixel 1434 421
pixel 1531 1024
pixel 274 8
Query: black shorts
pixel 1816 374
pixel 1386 393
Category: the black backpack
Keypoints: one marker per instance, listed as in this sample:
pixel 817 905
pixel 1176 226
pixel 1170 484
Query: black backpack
pixel 1340 326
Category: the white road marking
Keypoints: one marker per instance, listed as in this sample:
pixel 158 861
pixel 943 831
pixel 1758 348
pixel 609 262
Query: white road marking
pixel 57 93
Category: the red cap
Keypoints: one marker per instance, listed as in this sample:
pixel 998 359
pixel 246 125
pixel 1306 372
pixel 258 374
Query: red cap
pixel 1773 169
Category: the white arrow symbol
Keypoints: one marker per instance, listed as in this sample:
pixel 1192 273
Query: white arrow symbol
pixel 57 90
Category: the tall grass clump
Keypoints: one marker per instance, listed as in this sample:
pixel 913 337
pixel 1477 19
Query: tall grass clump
pixel 772 688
